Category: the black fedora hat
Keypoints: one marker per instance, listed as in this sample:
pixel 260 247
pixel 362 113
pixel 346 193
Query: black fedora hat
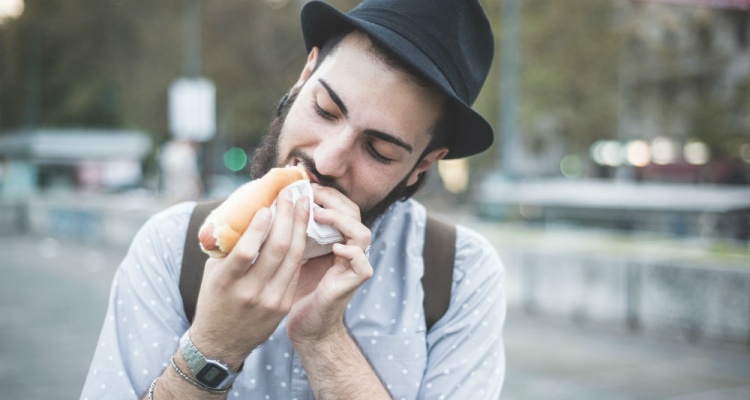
pixel 449 42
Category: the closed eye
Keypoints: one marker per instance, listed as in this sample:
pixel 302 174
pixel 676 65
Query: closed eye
pixel 376 155
pixel 322 113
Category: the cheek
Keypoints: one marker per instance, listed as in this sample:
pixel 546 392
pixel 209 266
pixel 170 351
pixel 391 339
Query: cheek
pixel 296 133
pixel 370 186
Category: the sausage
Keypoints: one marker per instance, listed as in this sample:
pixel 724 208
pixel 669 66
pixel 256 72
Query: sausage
pixel 225 225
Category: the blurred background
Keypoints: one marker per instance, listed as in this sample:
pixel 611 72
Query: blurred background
pixel 617 191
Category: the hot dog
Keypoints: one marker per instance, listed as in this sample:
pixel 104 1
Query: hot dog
pixel 224 225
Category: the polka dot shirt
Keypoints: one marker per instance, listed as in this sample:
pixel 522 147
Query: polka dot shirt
pixel 460 357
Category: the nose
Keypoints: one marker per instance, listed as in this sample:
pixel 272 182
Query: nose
pixel 334 154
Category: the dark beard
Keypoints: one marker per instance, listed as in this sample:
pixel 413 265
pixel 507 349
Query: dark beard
pixel 266 157
pixel 371 214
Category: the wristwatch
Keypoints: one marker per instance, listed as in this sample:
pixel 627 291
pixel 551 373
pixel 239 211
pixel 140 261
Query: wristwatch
pixel 214 374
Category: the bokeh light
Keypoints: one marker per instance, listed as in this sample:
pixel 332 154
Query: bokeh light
pixel 235 159
pixel 638 153
pixel 10 9
pixel 745 152
pixel 663 151
pixel 454 174
pixel 571 166
pixel 607 152
pixel 696 153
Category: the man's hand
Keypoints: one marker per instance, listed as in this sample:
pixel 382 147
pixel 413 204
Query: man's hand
pixel 328 283
pixel 335 366
pixel 244 296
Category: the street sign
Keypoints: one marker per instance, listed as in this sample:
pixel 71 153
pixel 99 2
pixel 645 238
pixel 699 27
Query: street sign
pixel 192 109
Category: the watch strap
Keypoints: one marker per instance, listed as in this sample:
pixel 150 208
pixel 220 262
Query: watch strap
pixel 197 362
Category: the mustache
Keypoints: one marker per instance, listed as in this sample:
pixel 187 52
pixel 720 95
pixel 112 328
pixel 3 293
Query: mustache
pixel 323 180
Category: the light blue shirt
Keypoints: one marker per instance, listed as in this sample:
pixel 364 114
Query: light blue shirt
pixel 461 357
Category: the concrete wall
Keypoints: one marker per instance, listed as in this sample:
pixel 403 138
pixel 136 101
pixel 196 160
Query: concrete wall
pixel 688 300
pixel 102 220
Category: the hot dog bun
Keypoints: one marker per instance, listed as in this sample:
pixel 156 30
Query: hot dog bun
pixel 224 225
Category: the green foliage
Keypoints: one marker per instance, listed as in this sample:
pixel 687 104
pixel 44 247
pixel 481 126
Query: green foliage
pixel 109 63
pixel 567 89
pixel 569 70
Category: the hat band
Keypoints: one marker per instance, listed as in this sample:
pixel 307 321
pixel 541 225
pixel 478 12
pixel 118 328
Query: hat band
pixel 422 39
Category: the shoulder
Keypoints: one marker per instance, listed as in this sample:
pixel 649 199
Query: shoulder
pixel 162 236
pixel 170 223
pixel 174 217
pixel 477 291
pixel 475 255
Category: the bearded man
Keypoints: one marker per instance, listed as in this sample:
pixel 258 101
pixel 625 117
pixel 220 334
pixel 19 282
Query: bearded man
pixel 385 93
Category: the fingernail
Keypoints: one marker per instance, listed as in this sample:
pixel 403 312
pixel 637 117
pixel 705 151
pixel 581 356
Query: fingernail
pixel 288 194
pixel 305 202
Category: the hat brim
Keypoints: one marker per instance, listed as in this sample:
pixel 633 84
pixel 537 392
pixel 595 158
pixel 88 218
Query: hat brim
pixel 321 21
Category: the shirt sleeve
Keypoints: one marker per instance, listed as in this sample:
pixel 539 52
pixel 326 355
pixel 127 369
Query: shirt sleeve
pixel 466 358
pixel 145 316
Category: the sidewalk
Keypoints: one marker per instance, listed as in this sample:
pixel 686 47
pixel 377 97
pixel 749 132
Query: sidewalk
pixel 549 359
pixel 53 298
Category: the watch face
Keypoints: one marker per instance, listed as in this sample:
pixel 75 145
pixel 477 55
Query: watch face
pixel 212 375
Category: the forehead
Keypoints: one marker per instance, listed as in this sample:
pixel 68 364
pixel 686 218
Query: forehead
pixel 359 44
pixel 375 89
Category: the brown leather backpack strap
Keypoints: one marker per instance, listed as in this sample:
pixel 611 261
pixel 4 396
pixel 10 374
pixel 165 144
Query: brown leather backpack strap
pixel 194 259
pixel 439 254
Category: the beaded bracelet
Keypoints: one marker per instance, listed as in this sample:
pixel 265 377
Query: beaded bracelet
pixel 196 383
pixel 151 389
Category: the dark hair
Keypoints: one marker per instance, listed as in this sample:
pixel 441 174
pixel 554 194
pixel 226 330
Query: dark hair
pixel 444 126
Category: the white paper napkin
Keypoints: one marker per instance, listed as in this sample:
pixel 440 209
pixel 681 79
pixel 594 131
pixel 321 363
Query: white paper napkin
pixel 320 237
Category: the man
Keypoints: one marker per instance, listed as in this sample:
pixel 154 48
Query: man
pixel 385 93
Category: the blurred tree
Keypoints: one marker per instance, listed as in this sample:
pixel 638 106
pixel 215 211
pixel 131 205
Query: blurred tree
pixel 110 62
pixel 567 80
pixel 254 53
pixel 569 72
pixel 89 63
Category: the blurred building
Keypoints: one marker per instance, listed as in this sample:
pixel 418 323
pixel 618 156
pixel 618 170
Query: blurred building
pixel 684 89
pixel 56 182
pixel 39 160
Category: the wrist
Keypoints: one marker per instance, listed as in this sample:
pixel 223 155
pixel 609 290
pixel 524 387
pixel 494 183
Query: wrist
pixel 210 374
pixel 219 351
pixel 332 337
pixel 178 382
pixel 336 367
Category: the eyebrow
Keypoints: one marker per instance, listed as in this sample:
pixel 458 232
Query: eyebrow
pixel 335 97
pixel 389 138
pixel 371 132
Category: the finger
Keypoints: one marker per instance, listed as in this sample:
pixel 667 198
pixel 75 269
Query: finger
pixel 285 277
pixel 359 264
pixel 276 245
pixel 328 197
pixel 352 228
pixel 241 257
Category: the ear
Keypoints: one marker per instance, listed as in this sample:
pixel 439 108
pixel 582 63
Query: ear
pixel 425 163
pixel 312 61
